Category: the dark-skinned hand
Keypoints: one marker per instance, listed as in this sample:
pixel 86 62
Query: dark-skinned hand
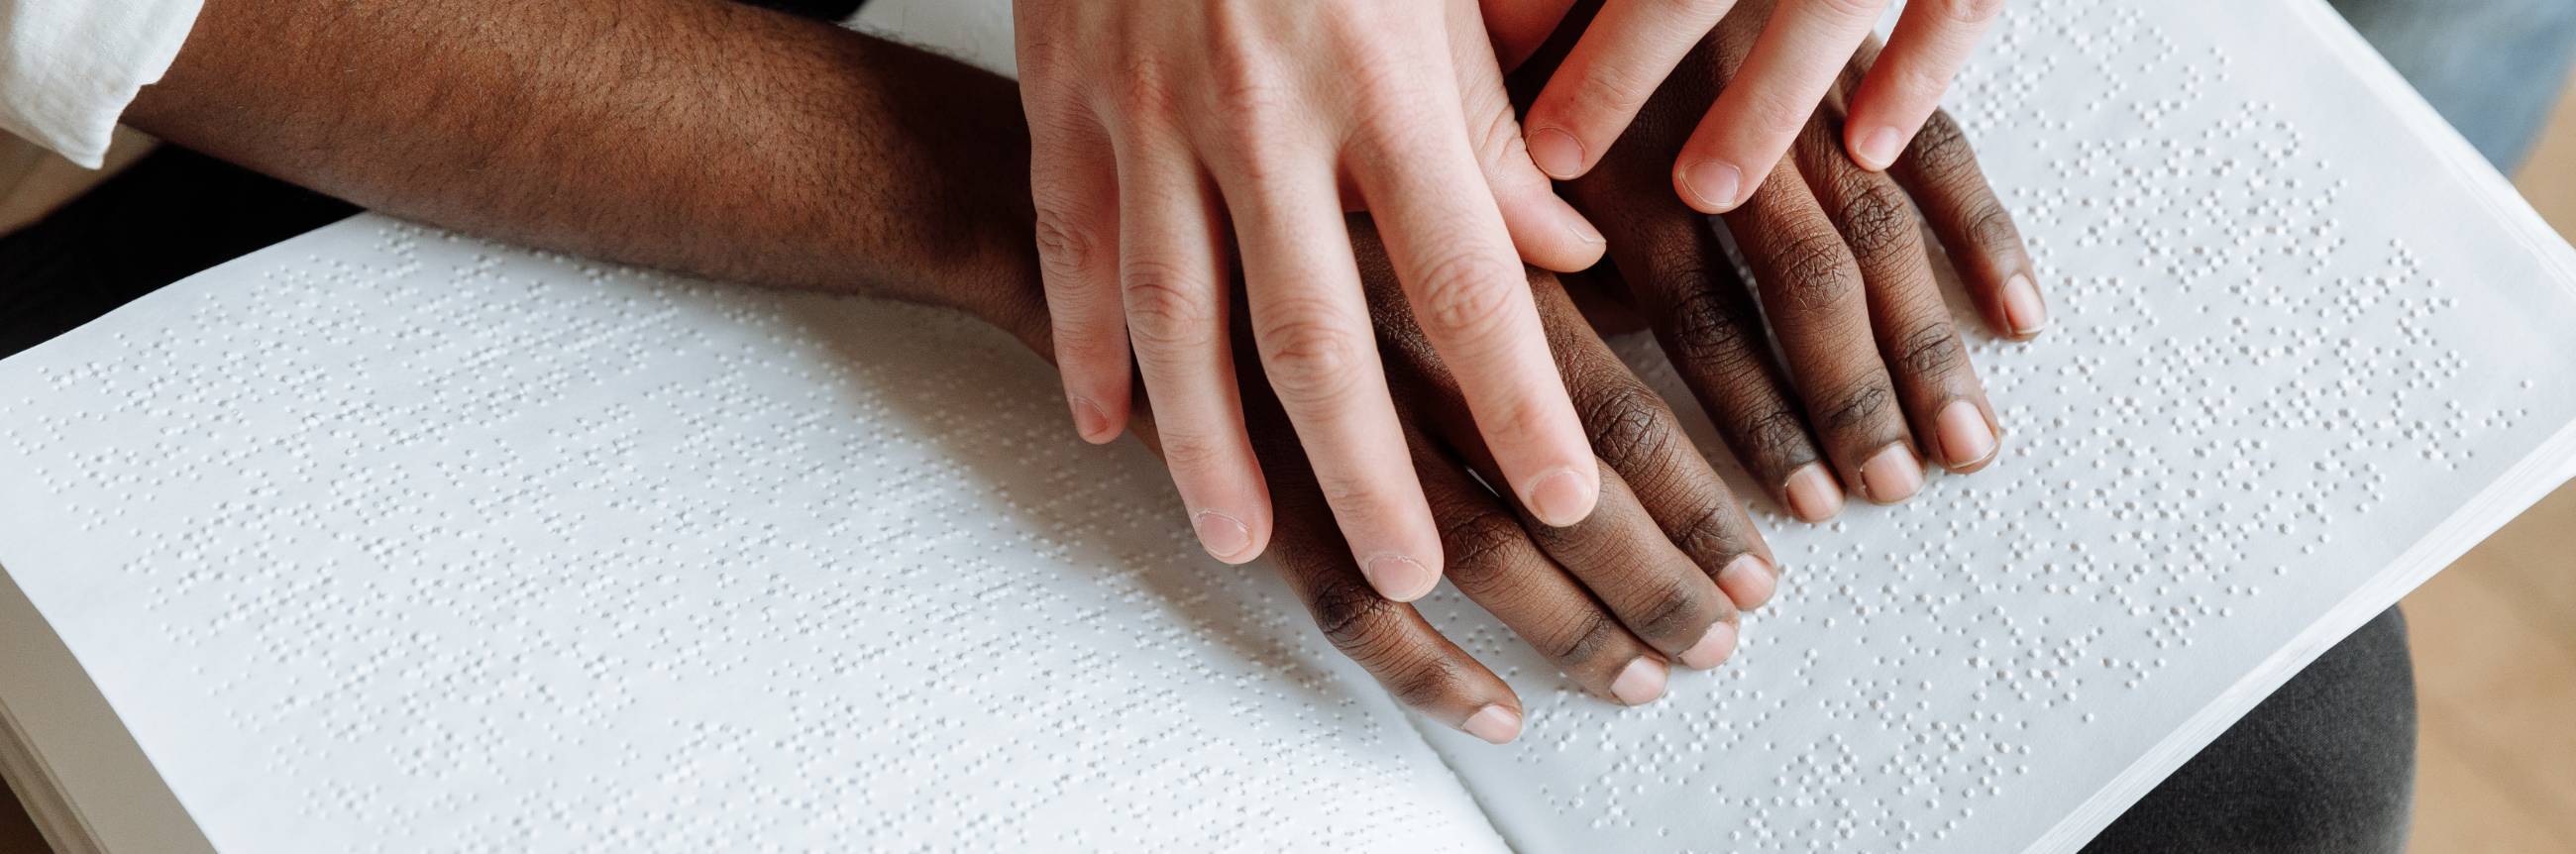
pixel 1875 377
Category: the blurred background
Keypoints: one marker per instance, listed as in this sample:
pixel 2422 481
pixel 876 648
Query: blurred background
pixel 2495 640
pixel 2494 635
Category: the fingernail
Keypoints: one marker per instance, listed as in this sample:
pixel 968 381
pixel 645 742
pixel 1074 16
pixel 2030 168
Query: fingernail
pixel 1640 682
pixel 1714 183
pixel 1556 153
pixel 1878 147
pixel 1584 231
pixel 1398 577
pixel 1813 495
pixel 1494 724
pixel 1712 648
pixel 1749 580
pixel 1892 476
pixel 1966 439
pixel 2022 306
pixel 1563 498
pixel 1089 421
pixel 1224 536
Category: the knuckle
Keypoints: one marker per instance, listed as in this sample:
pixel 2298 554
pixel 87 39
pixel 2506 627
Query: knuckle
pixel 1877 220
pixel 1189 454
pixel 1355 619
pixel 1310 359
pixel 1778 437
pixel 1626 423
pixel 1063 246
pixel 1710 533
pixel 1428 683
pixel 1672 612
pixel 1940 150
pixel 1709 328
pixel 1167 307
pixel 1813 270
pixel 1089 346
pixel 1991 229
pixel 1244 106
pixel 1476 545
pixel 1930 352
pixel 1466 293
pixel 1859 406
pixel 1581 638
pixel 1493 134
pixel 1145 90
pixel 1240 72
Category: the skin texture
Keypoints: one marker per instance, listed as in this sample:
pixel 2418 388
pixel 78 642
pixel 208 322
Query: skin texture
pixel 1803 49
pixel 760 148
pixel 1163 129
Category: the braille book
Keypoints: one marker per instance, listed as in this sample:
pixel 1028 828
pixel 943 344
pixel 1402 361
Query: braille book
pixel 387 539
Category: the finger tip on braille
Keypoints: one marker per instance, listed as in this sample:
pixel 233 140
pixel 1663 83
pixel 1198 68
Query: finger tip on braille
pixel 1892 475
pixel 1641 682
pixel 1813 495
pixel 1224 536
pixel 1495 723
pixel 2025 313
pixel 1090 421
pixel 1967 440
pixel 1749 581
pixel 1713 648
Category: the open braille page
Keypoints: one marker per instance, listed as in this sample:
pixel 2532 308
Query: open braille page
pixel 389 540
pixel 2305 350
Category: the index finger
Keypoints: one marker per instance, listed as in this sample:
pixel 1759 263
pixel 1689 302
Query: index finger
pixel 1472 299
pixel 1932 40
pixel 1624 54
pixel 1802 50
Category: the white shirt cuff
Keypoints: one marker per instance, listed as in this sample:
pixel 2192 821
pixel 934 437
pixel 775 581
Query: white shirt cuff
pixel 71 66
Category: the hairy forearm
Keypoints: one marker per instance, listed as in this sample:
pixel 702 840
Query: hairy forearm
pixel 693 135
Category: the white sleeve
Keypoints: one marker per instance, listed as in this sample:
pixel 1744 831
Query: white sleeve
pixel 69 67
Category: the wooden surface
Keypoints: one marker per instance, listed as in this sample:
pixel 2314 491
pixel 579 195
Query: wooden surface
pixel 2495 642
pixel 2495 673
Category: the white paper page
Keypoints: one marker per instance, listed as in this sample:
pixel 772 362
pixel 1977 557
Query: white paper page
pixel 383 540
pixel 386 540
pixel 2296 327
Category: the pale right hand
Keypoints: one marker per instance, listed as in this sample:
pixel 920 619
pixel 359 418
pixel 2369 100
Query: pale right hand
pixel 1160 127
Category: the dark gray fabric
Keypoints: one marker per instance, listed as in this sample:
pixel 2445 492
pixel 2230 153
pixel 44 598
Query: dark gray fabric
pixel 2325 764
pixel 2492 68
